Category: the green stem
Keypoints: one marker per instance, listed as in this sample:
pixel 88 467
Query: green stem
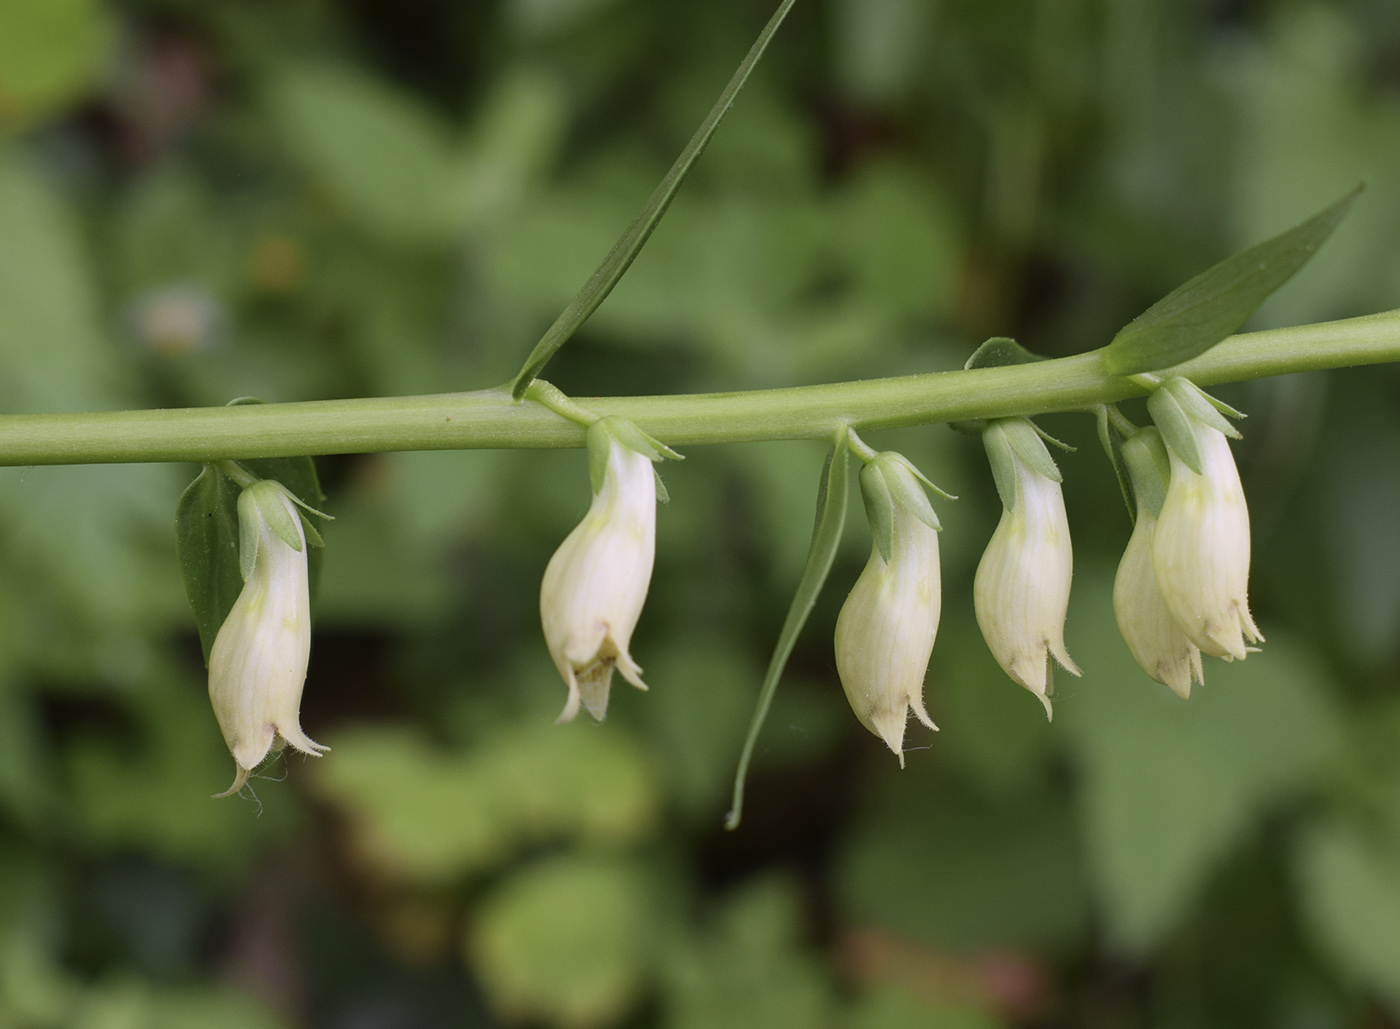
pixel 237 473
pixel 860 448
pixel 1125 426
pixel 491 419
pixel 554 398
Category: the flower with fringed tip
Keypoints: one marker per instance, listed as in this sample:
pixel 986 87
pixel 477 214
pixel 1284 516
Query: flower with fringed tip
pixel 886 629
pixel 1200 553
pixel 596 582
pixel 257 666
pixel 1021 590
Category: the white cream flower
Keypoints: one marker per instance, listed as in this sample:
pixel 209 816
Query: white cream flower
pixel 886 629
pixel 1021 591
pixel 1157 642
pixel 257 666
pixel 1200 553
pixel 596 582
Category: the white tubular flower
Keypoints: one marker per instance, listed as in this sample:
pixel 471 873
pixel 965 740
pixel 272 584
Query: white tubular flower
pixel 886 629
pixel 1021 591
pixel 596 582
pixel 257 666
pixel 1155 639
pixel 1200 553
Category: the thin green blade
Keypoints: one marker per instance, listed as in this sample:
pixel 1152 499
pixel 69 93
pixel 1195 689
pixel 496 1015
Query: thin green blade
pixel 1200 313
pixel 826 537
pixel 620 257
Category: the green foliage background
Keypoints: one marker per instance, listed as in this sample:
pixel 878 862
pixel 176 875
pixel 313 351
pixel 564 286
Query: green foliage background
pixel 325 198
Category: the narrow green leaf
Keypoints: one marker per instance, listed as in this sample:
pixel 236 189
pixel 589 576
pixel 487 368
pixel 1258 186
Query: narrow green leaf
pixel 826 537
pixel 620 257
pixel 1200 313
pixel 206 536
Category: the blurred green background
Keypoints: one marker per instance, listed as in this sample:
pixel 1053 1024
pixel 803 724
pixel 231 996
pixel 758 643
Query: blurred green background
pixel 302 199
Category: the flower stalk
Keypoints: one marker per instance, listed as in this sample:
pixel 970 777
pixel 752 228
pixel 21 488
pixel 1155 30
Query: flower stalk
pixel 490 419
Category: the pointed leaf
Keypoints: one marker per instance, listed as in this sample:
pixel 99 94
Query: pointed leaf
pixel 826 537
pixel 620 258
pixel 206 536
pixel 1200 313
pixel 998 352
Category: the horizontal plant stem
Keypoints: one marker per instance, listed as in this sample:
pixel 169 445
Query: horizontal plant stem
pixel 491 419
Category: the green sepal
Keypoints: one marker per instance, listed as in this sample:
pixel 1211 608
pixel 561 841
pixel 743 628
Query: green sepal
pixel 1008 440
pixel 1003 463
pixel 1200 313
pixel 1145 455
pixel 599 442
pixel 264 500
pixel 662 494
pixel 998 352
pixel 826 538
pixel 1029 444
pixel 249 533
pixel 879 508
pixel 1112 441
pixel 1175 425
pixel 906 485
pixel 313 535
pixel 1201 406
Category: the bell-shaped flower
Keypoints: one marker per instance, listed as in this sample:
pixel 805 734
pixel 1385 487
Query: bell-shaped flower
pixel 886 629
pixel 596 582
pixel 1156 640
pixel 1021 590
pixel 257 666
pixel 1200 550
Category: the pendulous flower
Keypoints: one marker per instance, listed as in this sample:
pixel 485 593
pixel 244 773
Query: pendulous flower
pixel 596 582
pixel 886 629
pixel 1153 636
pixel 1021 590
pixel 257 666
pixel 1200 552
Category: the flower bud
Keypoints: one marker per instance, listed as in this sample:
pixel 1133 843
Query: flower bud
pixel 257 666
pixel 1200 551
pixel 1155 639
pixel 885 632
pixel 596 582
pixel 1021 591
